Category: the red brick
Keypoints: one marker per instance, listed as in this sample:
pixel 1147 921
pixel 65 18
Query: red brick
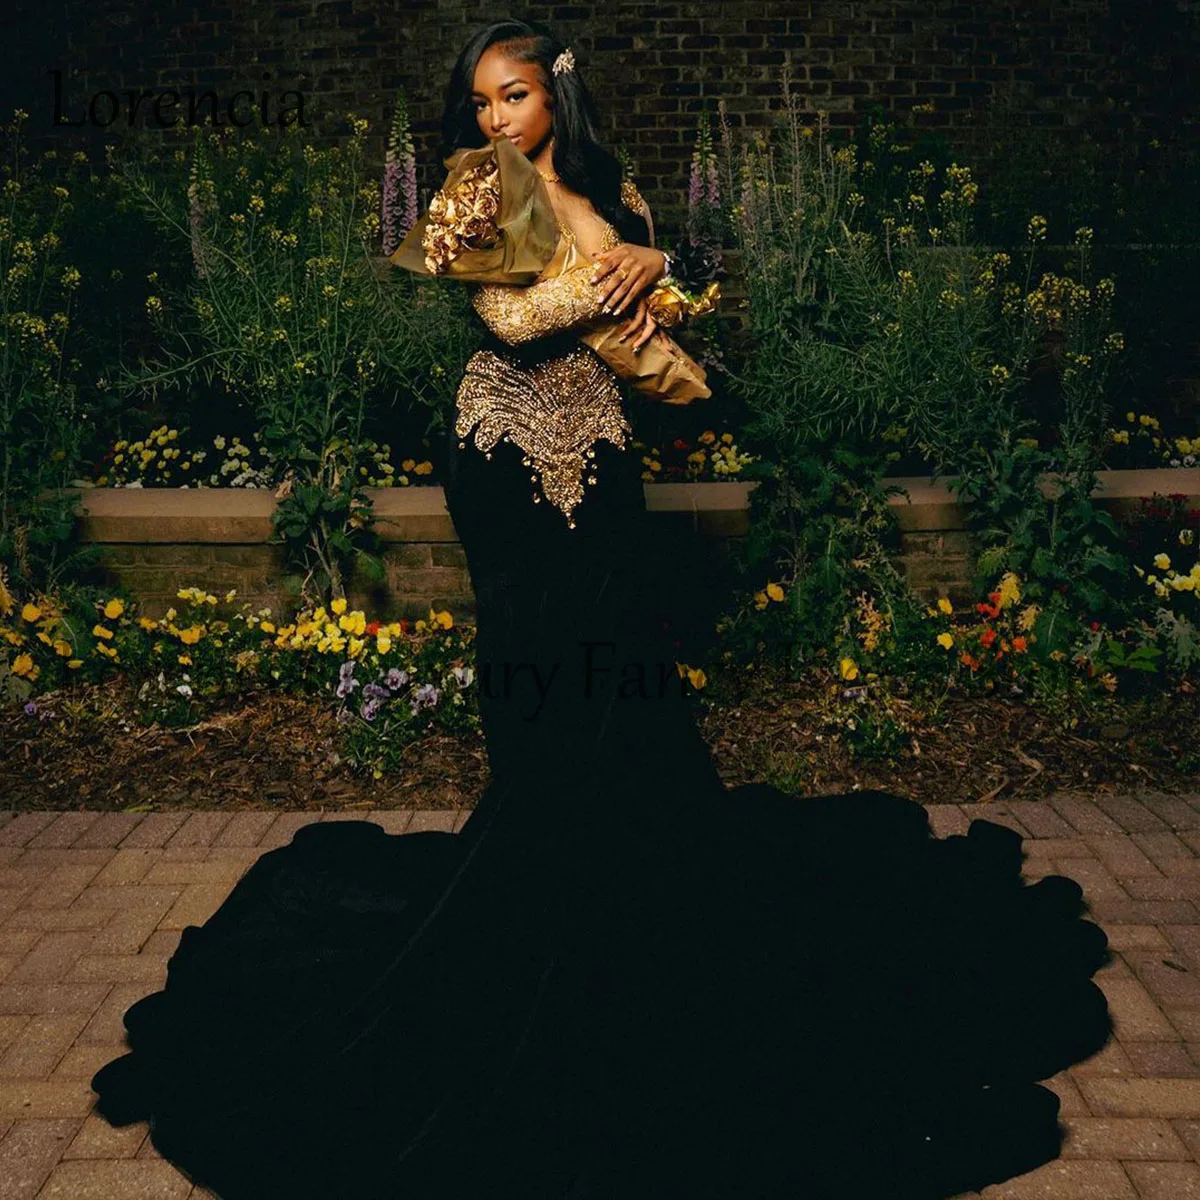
pixel 106 1026
pixel 196 903
pixel 51 958
pixel 432 819
pixel 1111 1095
pixel 1145 912
pixel 28 1152
pixel 1122 1138
pixel 1121 855
pixel 1095 879
pixel 998 814
pixel 98 1139
pixel 129 1179
pixel 1139 937
pixel 43 1041
pixel 64 829
pixel 1169 986
pixel 108 831
pixel 33 998
pixel 1163 1060
pixel 1165 1180
pixel 25 827
pixel 126 866
pixel 1163 847
pixel 119 968
pixel 1084 816
pixel 286 824
pixel 1040 819
pixel 1175 812
pixel 32 1099
pixel 1075 1179
pixel 152 831
pixel 200 829
pixel 1164 887
pixel 1136 1016
pixel 1110 1060
pixel 245 829
pixel 1074 847
pixel 946 819
pixel 1129 814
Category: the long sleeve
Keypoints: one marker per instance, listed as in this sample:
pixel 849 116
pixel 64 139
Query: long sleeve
pixel 520 314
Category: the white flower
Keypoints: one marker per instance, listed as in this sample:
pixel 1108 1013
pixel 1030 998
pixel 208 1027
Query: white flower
pixel 184 691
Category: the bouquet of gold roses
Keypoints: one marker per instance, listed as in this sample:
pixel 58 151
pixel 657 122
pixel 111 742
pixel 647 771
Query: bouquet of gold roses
pixel 493 222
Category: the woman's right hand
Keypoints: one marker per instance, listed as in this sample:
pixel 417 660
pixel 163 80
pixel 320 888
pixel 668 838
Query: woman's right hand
pixel 641 326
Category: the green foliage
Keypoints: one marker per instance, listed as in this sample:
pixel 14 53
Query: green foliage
pixel 44 423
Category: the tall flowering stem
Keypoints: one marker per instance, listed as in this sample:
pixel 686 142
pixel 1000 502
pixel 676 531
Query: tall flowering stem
pixel 704 219
pixel 399 213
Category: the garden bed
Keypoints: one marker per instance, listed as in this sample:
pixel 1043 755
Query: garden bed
pixel 278 752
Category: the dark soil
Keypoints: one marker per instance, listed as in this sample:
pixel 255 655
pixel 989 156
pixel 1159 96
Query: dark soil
pixel 279 752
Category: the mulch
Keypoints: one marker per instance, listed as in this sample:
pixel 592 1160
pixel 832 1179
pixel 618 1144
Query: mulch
pixel 273 751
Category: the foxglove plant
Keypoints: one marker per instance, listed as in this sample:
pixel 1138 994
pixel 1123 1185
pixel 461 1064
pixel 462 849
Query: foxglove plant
pixel 399 180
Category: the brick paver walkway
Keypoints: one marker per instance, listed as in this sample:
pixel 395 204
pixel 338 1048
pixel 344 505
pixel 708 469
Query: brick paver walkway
pixel 92 905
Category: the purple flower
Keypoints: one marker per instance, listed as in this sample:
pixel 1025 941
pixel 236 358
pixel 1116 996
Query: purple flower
pixel 369 710
pixel 346 670
pixel 31 709
pixel 426 696
pixel 396 678
pixel 374 692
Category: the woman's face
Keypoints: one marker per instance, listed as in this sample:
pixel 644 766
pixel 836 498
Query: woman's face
pixel 509 98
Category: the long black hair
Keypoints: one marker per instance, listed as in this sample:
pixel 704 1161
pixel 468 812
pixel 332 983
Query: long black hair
pixel 584 165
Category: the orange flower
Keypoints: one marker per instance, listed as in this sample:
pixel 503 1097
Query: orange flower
pixel 1020 645
pixel 987 638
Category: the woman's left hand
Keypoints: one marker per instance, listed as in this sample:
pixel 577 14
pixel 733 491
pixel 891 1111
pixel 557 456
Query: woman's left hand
pixel 625 271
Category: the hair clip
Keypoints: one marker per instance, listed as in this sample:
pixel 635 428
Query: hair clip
pixel 564 62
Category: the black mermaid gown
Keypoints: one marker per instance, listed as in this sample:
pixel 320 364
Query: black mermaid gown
pixel 621 979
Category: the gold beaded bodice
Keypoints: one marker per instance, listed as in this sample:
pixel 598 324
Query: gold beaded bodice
pixel 555 408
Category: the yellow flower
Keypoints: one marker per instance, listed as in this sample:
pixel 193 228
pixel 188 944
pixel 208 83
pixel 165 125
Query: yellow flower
pixel 267 627
pixel 101 632
pixel 22 664
pixel 186 659
pixel 113 609
pixel 848 668
pixel 75 664
pixel 1162 561
pixel 383 643
pixel 760 600
pixel 708 437
pixel 63 649
pixel 191 635
pixel 774 591
pixel 355 647
pixel 107 651
pixel 338 606
pixel 354 622
pixel 444 619
pixel 696 677
pixel 6 600
pixel 945 641
pixel 44 638
pixel 945 605
pixel 31 612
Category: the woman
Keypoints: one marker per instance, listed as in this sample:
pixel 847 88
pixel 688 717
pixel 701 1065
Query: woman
pixel 621 979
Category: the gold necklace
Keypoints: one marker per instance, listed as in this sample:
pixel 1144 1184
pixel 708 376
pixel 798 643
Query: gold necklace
pixel 551 178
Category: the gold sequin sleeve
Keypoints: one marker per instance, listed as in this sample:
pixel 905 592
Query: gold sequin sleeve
pixel 520 314
pixel 636 202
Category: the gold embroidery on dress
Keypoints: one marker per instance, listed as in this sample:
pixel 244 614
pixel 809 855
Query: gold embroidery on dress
pixel 555 411
pixel 631 197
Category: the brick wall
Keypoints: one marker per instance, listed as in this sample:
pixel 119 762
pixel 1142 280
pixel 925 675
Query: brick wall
pixel 1104 65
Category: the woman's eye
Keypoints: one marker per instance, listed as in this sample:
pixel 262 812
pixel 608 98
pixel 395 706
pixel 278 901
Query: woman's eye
pixel 515 96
